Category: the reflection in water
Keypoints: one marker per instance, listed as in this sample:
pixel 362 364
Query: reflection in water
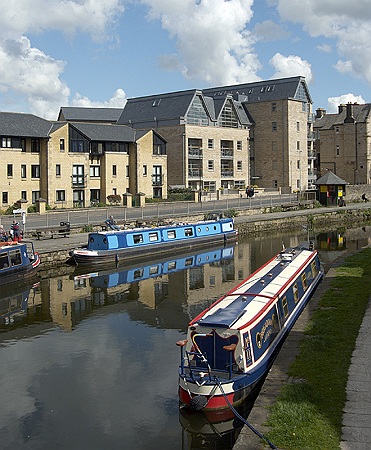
pixel 93 362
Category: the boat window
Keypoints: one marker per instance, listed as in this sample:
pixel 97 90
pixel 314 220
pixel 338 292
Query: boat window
pixel 296 292
pixel 207 228
pixel 304 281
pixel 188 262
pixel 285 306
pixel 171 265
pixel 314 268
pixel 138 273
pixel 4 262
pixel 171 234
pixel 188 232
pixel 15 258
pixel 153 270
pixel 199 229
pixel 153 237
pixel 91 239
pixel 137 238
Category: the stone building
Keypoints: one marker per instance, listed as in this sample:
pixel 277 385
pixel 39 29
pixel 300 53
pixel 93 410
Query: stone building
pixel 343 142
pixel 231 136
pixel 77 164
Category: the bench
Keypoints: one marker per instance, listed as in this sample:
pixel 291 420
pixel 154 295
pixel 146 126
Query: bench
pixel 63 229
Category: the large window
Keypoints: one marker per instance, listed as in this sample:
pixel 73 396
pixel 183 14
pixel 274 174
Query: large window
pixel 159 146
pixel 228 117
pixel 35 145
pixel 35 196
pixel 60 196
pixel 95 171
pixel 5 198
pixel 23 171
pixel 9 170
pixel 197 114
pixel 78 178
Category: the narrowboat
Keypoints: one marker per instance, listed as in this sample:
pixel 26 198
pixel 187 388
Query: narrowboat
pixel 14 304
pixel 18 261
pixel 132 244
pixel 232 344
pixel 104 279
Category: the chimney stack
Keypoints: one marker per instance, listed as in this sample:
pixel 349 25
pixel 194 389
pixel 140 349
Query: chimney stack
pixel 320 112
pixel 349 117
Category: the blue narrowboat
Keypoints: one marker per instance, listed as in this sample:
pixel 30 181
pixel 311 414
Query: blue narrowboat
pixel 132 244
pixel 18 261
pixel 232 344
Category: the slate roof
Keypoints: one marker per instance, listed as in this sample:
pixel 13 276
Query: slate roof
pixel 80 114
pixel 23 125
pixel 105 132
pixel 330 178
pixel 267 90
pixel 173 105
pixel 328 121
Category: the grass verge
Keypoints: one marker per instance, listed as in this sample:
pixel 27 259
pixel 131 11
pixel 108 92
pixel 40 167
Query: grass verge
pixel 308 412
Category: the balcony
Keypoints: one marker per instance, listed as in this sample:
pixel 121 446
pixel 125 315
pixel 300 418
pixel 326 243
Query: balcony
pixel 195 173
pixel 226 153
pixel 312 155
pixel 157 180
pixel 227 173
pixel 311 136
pixel 79 181
pixel 194 152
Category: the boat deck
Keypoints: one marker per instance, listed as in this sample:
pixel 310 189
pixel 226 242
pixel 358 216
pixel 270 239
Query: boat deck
pixel 241 305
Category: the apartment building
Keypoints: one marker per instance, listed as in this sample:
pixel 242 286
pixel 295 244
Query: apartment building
pixel 207 139
pixel 343 142
pixel 77 164
pixel 231 136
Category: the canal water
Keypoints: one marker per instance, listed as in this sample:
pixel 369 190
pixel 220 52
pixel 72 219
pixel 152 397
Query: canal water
pixel 89 361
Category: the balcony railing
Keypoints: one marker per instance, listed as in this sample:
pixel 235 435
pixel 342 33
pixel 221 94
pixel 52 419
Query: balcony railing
pixel 195 152
pixel 226 153
pixel 312 155
pixel 79 181
pixel 311 136
pixel 227 173
pixel 157 180
pixel 195 173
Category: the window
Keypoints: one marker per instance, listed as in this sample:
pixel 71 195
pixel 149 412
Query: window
pixel 144 170
pixel 5 197
pixel 239 165
pixel 4 261
pixel 6 142
pixel 314 269
pixel 35 196
pixel 171 234
pixel 114 170
pixel 60 196
pixel 274 126
pixel 15 258
pixel 24 195
pixel 298 163
pixel 35 145
pixel 295 291
pixel 138 238
pixel 159 146
pixel 57 170
pixel 275 183
pixel 188 232
pixel 239 145
pixel 35 171
pixel 297 145
pixel 210 186
pixel 95 171
pixel 304 281
pixel 153 237
pixel 228 117
pixel 61 145
pixel 23 171
pixel 337 129
pixel 285 306
pixel 127 171
pixel 9 170
pixel 210 143
pixel 197 114
pixel 78 178
pixel 274 107
pixel 297 126
pixel 210 164
pixel 337 150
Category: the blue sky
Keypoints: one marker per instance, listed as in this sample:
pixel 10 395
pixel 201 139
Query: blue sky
pixel 57 53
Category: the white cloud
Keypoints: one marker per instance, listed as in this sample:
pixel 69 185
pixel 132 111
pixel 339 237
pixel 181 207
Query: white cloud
pixel 118 100
pixel 268 30
pixel 30 74
pixel 289 66
pixel 213 42
pixel 326 48
pixel 334 102
pixel 348 23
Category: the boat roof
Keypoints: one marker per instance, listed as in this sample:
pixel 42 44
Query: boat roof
pixel 245 303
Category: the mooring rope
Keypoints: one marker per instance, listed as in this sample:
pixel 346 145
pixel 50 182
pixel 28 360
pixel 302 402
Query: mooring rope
pixel 254 430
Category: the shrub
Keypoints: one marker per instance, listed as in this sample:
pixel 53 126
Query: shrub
pixel 114 199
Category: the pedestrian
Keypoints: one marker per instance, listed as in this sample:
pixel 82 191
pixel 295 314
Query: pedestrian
pixel 364 198
pixel 16 231
pixel 3 234
pixel 248 191
pixel 112 224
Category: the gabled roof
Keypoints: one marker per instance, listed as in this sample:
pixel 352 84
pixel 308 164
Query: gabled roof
pixel 80 114
pixel 330 178
pixel 23 125
pixel 105 132
pixel 172 105
pixel 328 121
pixel 268 90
